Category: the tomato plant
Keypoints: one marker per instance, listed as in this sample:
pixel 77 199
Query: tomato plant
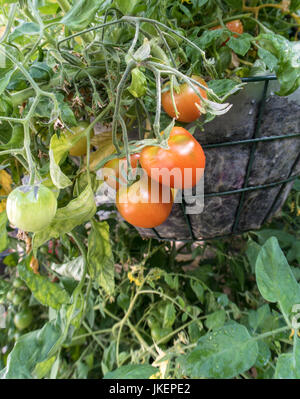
pixel 181 165
pixel 31 208
pixel 186 100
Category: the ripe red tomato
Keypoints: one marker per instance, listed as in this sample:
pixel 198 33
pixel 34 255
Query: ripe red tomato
pixel 143 204
pixel 179 166
pixel 115 170
pixel 185 100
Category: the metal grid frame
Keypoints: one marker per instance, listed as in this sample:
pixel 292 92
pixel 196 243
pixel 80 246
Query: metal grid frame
pixel 253 143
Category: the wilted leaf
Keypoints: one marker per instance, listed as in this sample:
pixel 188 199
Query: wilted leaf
pixel 100 258
pixel 47 293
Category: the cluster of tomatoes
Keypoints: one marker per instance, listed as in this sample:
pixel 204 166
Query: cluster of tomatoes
pixel 184 153
pixel 18 296
pixel 179 166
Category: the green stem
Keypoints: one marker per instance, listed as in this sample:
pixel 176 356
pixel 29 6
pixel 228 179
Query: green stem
pixel 10 22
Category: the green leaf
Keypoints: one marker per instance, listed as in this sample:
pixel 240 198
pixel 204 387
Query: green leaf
pixel 138 86
pixel 223 353
pixel 288 364
pixel 240 45
pixel 81 14
pixel 252 252
pixel 285 239
pixel 16 140
pixel 198 290
pixel 78 211
pixel 43 368
pixel 288 65
pixel 45 109
pixel 40 72
pixel 223 87
pixel 257 318
pixel 275 279
pixel 235 4
pixel 30 349
pixel 4 81
pixel 125 6
pixel 131 371
pixel 216 319
pixel 59 148
pixel 27 28
pixel 269 59
pixel 169 315
pixel 47 293
pixel 3 231
pixel 100 258
pixel 211 36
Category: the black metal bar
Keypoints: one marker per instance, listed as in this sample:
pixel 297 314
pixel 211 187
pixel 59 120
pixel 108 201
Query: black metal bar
pixel 259 78
pixel 280 191
pixel 252 155
pixel 252 188
pixel 187 219
pixel 157 234
pixel 249 141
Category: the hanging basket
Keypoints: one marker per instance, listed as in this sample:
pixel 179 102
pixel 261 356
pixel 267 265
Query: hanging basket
pixel 252 159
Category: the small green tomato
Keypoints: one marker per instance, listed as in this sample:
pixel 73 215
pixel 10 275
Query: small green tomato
pixel 31 208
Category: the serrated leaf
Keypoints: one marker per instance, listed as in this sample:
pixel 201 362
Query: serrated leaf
pixel 240 45
pixel 47 293
pixel 274 277
pixel 100 258
pixel 78 211
pixel 223 353
pixel 131 371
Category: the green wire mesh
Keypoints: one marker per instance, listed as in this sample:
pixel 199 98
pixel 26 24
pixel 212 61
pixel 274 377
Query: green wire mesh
pixel 253 144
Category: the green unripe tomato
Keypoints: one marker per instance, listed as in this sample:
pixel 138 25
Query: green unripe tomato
pixel 17 299
pixel 18 282
pixel 23 319
pixel 31 208
pixel 10 295
pixel 80 147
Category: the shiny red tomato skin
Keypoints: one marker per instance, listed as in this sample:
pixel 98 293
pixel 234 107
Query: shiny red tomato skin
pixel 135 206
pixel 111 174
pixel 185 101
pixel 184 152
